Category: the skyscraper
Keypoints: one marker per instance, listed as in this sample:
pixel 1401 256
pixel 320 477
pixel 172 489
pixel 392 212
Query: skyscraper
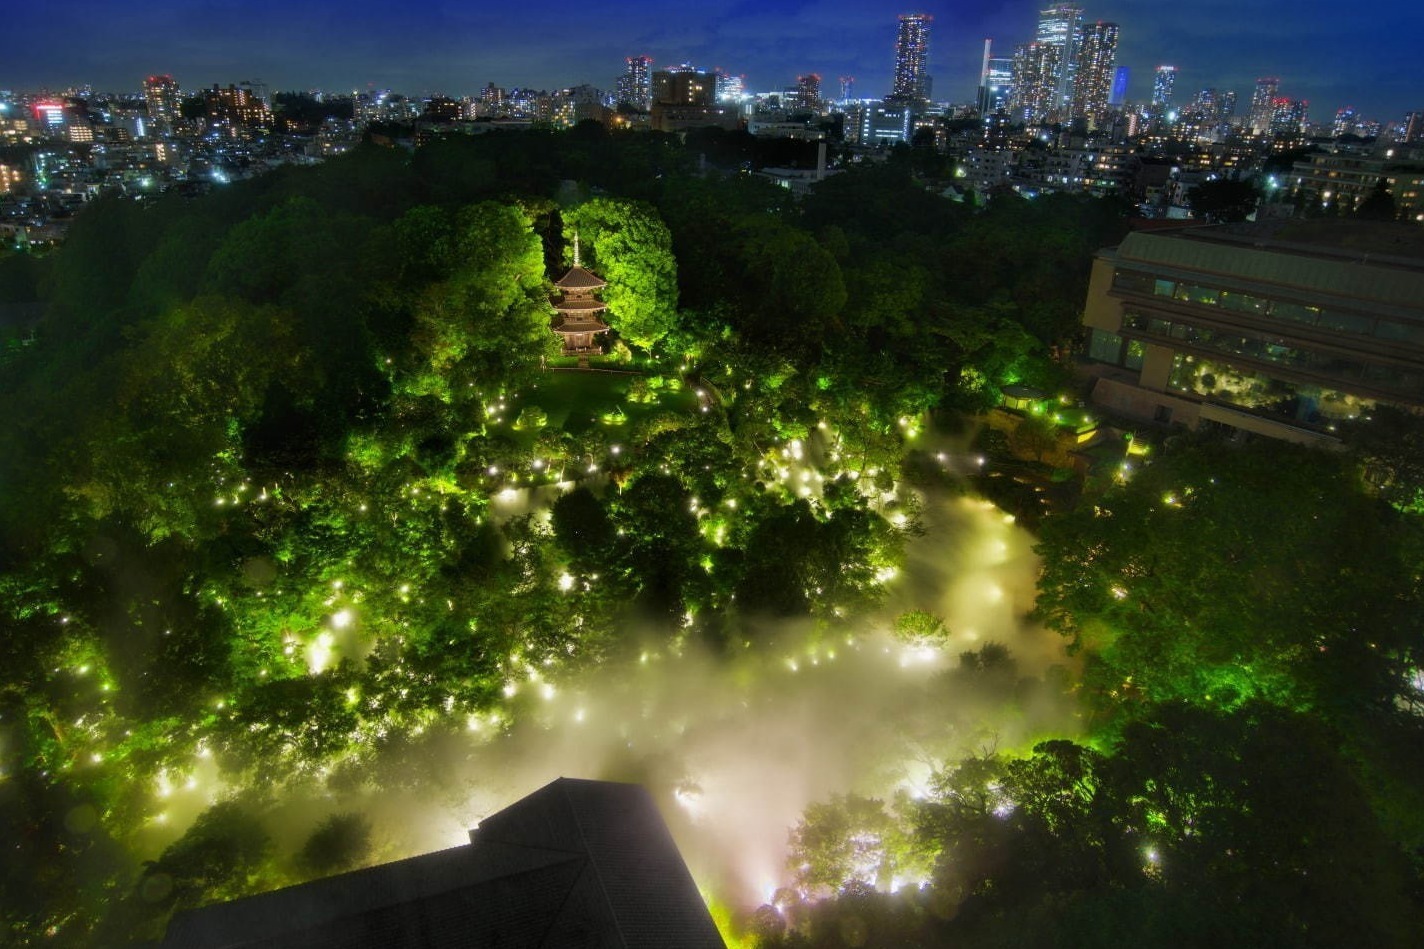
pixel 161 95
pixel 808 91
pixel 1263 104
pixel 684 86
pixel 730 88
pixel 912 47
pixel 996 82
pixel 1121 76
pixel 1345 120
pixel 1092 85
pixel 1289 117
pixel 635 86
pixel 1035 83
pixel 1162 82
pixel 1060 26
pixel 1414 127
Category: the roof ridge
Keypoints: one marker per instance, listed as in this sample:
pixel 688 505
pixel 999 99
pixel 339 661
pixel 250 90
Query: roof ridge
pixel 564 784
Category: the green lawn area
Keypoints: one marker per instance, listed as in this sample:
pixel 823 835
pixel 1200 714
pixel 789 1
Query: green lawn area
pixel 576 401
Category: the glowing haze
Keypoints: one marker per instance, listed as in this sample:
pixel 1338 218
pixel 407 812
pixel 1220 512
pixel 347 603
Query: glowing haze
pixel 736 747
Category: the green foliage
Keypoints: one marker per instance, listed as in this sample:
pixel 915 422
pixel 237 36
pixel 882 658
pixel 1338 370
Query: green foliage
pixel 850 840
pixel 920 628
pixel 1223 200
pixel 223 855
pixel 631 248
pixel 1253 816
pixel 1204 579
pixel 791 287
pixel 1390 446
pixel 252 478
pixel 340 842
pixel 582 526
pixel 531 417
pixel 1378 205
pixel 483 323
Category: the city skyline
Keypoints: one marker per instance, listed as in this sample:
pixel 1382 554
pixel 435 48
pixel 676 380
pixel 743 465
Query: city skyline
pixel 1364 62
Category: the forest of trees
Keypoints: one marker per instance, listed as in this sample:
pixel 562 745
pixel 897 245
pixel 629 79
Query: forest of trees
pixel 1250 624
pixel 258 430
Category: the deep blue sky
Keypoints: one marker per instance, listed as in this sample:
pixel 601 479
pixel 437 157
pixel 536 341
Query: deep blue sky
pixel 1367 56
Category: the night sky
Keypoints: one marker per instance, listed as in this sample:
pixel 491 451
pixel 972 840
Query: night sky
pixel 1367 56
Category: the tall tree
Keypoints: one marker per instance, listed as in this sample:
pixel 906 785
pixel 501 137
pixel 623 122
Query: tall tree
pixel 629 245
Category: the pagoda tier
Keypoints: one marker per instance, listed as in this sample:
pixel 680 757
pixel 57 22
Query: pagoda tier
pixel 580 279
pixel 578 323
pixel 578 311
pixel 576 305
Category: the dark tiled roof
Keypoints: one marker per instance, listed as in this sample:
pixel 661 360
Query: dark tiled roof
pixel 576 863
pixel 579 323
pixel 579 279
pixel 576 304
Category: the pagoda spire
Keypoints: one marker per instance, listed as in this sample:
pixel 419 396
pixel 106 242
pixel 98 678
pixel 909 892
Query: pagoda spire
pixel 576 249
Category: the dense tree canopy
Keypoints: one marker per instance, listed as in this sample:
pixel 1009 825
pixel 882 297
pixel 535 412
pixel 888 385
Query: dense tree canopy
pixel 1219 574
pixel 287 501
pixel 628 244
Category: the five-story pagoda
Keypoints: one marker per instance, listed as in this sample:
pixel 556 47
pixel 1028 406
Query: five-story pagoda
pixel 578 309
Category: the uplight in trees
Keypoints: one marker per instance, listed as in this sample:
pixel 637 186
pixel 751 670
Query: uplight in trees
pixel 319 652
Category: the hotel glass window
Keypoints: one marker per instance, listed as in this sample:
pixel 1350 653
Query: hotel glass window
pixel 1191 293
pixel 1132 282
pixel 1407 332
pixel 1295 312
pixel 1347 322
pixel 1135 351
pixel 1242 302
pixel 1105 347
pixel 1164 288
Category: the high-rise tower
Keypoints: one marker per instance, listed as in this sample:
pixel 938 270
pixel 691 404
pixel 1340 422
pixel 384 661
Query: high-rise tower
pixel 161 95
pixel 808 91
pixel 1060 26
pixel 1162 82
pixel 635 86
pixel 996 81
pixel 912 47
pixel 1263 100
pixel 1034 98
pixel 1092 86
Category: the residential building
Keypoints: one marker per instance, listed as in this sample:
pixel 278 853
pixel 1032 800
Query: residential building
pixel 1263 108
pixel 1059 26
pixel 162 96
pixel 634 87
pixel 1093 84
pixel 996 82
pixel 912 49
pixel 685 98
pixel 808 92
pixel 1034 99
pixel 1163 81
pixel 1341 178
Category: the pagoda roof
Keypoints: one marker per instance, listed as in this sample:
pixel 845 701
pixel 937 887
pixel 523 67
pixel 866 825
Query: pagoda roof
pixel 578 278
pixel 580 305
pixel 579 324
